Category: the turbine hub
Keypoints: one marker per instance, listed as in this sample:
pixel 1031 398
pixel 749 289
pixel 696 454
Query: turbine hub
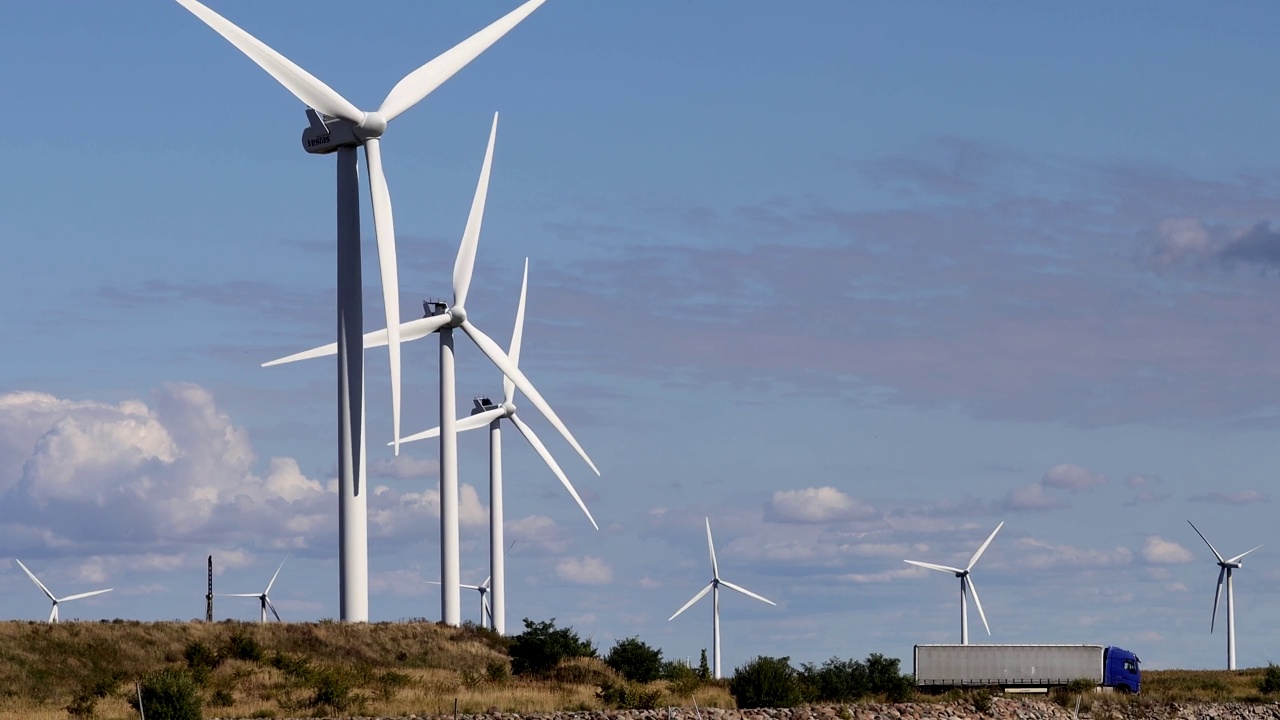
pixel 372 125
pixel 510 407
pixel 457 316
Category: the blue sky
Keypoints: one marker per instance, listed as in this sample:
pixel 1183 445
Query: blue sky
pixel 856 281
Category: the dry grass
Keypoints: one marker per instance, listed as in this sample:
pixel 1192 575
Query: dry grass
pixel 377 669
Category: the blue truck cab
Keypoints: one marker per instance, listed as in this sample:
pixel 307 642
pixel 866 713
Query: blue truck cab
pixel 1121 671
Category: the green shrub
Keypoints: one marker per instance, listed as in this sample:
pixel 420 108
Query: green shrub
pixel 202 660
pixel 221 698
pixel 387 683
pixel 333 690
pixel 628 696
pixel 704 670
pixel 981 699
pixel 99 684
pixel 884 678
pixel 241 645
pixel 836 681
pixel 684 679
pixel 297 667
pixel 1270 682
pixel 635 660
pixel 542 646
pixel 765 682
pixel 497 672
pixel 169 694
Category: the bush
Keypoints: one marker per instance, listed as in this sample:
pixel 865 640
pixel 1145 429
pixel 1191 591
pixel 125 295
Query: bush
pixel 837 681
pixel 332 690
pixel 169 694
pixel 635 660
pixel 884 678
pixel 99 685
pixel 628 696
pixel 542 646
pixel 202 660
pixel 1270 682
pixel 766 682
pixel 243 646
pixel 684 679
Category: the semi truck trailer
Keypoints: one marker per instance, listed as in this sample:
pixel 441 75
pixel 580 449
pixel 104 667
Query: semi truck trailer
pixel 1025 667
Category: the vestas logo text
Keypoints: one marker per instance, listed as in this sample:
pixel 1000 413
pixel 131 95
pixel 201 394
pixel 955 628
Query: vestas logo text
pixel 322 140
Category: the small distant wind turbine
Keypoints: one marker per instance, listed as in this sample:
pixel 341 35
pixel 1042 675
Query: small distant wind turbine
pixel 486 413
pixel 966 586
pixel 53 614
pixel 263 597
pixel 486 613
pixel 713 587
pixel 1224 573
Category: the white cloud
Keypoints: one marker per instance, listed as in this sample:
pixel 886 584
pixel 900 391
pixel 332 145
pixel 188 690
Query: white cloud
pixel 1072 477
pixel 1243 497
pixel 537 532
pixel 1159 550
pixel 1144 480
pixel 1179 239
pixel 648 583
pixel 406 467
pixel 816 505
pixel 129 475
pixel 1031 497
pixel 908 571
pixel 1038 554
pixel 587 571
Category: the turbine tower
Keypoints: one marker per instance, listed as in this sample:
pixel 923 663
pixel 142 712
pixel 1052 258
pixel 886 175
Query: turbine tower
pixel 966 586
pixel 713 587
pixel 264 598
pixel 443 318
pixel 486 413
pixel 337 126
pixel 53 614
pixel 1225 566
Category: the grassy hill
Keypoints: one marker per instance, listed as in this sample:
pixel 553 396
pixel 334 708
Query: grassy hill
pixel 291 670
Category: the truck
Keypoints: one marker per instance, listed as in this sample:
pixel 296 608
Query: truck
pixel 1026 668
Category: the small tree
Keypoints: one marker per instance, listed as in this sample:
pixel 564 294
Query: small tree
pixel 884 678
pixel 766 682
pixel 837 681
pixel 704 670
pixel 635 660
pixel 169 694
pixel 542 646
pixel 1270 682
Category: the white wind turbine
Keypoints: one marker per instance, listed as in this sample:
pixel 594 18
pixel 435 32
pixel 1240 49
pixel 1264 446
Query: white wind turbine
pixel 53 614
pixel 338 126
pixel 486 413
pixel 713 587
pixel 263 597
pixel 1224 574
pixel 442 318
pixel 484 588
pixel 966 586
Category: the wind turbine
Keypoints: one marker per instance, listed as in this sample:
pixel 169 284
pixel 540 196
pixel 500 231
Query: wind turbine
pixel 484 588
pixel 263 597
pixel 443 318
pixel 966 586
pixel 1224 573
pixel 485 413
pixel 338 126
pixel 53 614
pixel 713 587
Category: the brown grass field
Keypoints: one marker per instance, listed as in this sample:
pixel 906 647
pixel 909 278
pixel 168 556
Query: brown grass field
pixel 316 669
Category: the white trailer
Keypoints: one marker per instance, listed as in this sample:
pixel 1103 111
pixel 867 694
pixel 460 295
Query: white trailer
pixel 1025 666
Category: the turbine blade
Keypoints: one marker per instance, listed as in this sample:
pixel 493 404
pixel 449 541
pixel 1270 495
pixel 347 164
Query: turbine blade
pixel 747 592
pixel 252 595
pixel 983 549
pixel 412 330
pixel 468 587
pixel 1217 593
pixel 301 83
pixel 272 607
pixel 541 449
pixel 471 422
pixel 35 580
pixel 693 600
pixel 418 84
pixel 931 566
pixel 976 602
pixel 1237 558
pixel 711 548
pixel 384 228
pixel 517 333
pixel 508 368
pixel 466 260
pixel 77 596
pixel 485 585
pixel 1206 541
pixel 273 577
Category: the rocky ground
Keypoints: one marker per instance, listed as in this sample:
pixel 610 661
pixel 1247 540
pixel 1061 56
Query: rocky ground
pixel 995 708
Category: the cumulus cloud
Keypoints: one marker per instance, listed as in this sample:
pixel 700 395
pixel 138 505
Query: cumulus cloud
pixel 406 467
pixel 1258 245
pixel 538 532
pixel 1144 480
pixel 1159 550
pixel 586 571
pixel 133 475
pixel 1243 497
pixel 1038 554
pixel 816 505
pixel 1179 239
pixel 1146 497
pixel 1031 497
pixel 1072 477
